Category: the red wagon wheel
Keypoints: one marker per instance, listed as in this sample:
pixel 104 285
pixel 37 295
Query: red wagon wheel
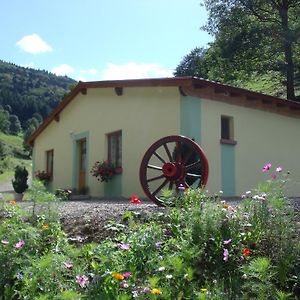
pixel 170 162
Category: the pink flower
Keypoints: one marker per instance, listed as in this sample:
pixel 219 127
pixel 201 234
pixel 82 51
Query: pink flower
pixel 20 244
pixel 82 280
pixel 123 246
pixel 226 242
pixel 266 167
pixel 68 265
pixel 4 242
pixel 274 176
pixel 135 200
pixel 278 169
pixel 127 274
pixel 226 255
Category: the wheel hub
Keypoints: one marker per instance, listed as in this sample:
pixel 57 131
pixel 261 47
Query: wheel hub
pixel 172 170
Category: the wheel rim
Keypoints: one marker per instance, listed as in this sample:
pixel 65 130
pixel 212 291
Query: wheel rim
pixel 170 162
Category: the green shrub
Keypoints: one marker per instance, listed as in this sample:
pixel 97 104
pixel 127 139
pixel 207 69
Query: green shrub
pixel 20 181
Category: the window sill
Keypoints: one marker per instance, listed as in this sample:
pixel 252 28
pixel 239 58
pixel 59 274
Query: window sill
pixel 228 142
pixel 118 170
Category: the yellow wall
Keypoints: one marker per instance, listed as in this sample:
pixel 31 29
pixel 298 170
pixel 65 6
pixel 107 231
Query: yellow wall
pixel 261 137
pixel 143 114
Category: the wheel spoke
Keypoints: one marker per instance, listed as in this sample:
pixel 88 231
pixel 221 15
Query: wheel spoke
pixel 168 152
pixel 187 185
pixel 160 187
pixel 154 167
pixel 188 167
pixel 155 178
pixel 171 185
pixel 159 157
pixel 193 175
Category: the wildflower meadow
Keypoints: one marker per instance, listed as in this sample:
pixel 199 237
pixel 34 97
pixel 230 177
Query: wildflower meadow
pixel 202 248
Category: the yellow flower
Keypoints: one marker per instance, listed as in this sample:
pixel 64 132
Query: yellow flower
pixel 45 226
pixel 13 202
pixel 203 290
pixel 156 291
pixel 117 276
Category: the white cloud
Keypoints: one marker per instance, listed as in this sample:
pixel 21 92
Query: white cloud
pixel 33 44
pixel 62 70
pixel 89 72
pixel 134 70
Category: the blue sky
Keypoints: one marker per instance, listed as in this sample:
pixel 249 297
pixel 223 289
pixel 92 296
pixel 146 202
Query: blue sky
pixel 101 39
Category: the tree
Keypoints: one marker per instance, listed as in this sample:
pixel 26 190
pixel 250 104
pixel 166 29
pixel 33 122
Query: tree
pixel 193 64
pixel 27 133
pixel 282 16
pixel 4 120
pixel 15 125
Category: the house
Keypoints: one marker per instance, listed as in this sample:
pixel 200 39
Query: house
pixel 240 131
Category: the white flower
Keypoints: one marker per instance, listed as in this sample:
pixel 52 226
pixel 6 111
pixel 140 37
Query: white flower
pixel 161 269
pixel 169 276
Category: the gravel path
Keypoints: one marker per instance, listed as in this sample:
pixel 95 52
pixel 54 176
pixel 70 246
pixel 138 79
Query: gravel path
pixel 87 220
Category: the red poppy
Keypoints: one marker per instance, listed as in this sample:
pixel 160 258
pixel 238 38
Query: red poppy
pixel 246 252
pixel 135 200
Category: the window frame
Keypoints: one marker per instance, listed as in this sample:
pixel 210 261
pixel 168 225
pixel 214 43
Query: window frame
pixel 227 137
pixel 50 154
pixel 117 135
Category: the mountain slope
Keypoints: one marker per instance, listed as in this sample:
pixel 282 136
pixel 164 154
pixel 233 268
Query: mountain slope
pixel 28 91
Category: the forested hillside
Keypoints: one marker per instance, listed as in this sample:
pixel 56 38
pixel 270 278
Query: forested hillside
pixel 27 93
pixel 256 46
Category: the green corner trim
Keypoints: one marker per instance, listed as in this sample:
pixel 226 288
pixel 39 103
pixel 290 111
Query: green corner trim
pixel 113 188
pixel 190 117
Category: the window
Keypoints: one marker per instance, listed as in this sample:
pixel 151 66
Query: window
pixel 227 134
pixel 115 148
pixel 49 162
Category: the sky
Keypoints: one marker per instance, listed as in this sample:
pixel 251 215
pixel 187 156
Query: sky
pixel 101 39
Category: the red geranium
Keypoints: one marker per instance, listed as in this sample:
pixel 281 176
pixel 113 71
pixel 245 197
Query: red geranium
pixel 104 170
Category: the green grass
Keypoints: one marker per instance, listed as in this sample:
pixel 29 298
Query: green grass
pixel 12 140
pixel 12 163
pixel 13 153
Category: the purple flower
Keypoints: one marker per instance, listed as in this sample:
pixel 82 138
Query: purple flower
pixel 20 244
pixel 266 167
pixel 226 255
pixel 135 294
pixel 124 284
pixel 19 276
pixel 82 280
pixel 146 289
pixel 158 244
pixel 4 242
pixel 226 242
